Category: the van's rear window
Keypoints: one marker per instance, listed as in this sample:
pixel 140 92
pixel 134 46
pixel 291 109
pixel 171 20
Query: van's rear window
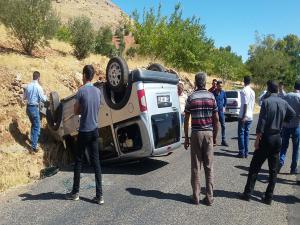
pixel 166 129
pixel 231 94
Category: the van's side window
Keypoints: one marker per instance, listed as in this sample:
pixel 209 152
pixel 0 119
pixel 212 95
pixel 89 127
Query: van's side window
pixel 129 138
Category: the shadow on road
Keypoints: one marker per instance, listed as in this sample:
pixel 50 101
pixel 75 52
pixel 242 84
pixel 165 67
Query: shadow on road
pixel 135 167
pixel 42 196
pixel 264 178
pixel 139 167
pixel 246 168
pixel 49 196
pixel 228 153
pixel 159 195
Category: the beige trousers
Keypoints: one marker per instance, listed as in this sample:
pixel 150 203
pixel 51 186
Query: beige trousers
pixel 202 153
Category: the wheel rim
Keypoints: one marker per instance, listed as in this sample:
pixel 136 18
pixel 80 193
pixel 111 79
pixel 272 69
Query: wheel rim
pixel 114 74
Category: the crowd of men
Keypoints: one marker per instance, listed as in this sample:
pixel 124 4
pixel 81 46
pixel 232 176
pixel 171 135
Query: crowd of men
pixel 279 120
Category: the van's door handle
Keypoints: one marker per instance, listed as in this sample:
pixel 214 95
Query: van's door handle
pixel 174 108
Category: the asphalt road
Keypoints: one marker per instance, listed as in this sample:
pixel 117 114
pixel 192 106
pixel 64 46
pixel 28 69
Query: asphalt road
pixel 156 191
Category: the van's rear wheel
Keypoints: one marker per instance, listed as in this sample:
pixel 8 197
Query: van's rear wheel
pixel 156 67
pixel 117 73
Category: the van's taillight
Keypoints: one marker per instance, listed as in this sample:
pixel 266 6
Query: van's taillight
pixel 142 100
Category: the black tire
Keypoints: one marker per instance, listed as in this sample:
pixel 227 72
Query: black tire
pixel 54 122
pixel 54 111
pixel 54 103
pixel 156 67
pixel 117 74
pixel 123 96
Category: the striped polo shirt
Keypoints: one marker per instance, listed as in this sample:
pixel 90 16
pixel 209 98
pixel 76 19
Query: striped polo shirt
pixel 201 104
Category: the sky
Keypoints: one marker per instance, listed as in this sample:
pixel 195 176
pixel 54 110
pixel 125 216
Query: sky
pixel 232 22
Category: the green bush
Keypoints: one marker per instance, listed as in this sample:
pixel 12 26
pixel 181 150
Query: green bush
pixel 131 52
pixel 63 34
pixel 82 36
pixel 103 42
pixel 32 22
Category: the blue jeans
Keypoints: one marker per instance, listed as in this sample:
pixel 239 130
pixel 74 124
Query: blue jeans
pixel 243 137
pixel 222 122
pixel 286 134
pixel 34 117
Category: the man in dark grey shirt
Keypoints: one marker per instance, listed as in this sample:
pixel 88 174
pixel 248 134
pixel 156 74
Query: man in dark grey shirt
pixel 292 130
pixel 87 106
pixel 274 111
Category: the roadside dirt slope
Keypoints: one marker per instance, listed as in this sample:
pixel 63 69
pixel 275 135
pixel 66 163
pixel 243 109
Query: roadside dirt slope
pixel 101 12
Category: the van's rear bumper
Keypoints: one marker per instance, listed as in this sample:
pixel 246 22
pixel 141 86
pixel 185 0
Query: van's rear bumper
pixel 166 149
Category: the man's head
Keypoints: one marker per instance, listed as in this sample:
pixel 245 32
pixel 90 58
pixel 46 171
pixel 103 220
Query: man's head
pixel 247 80
pixel 36 75
pixel 297 85
pixel 281 86
pixel 214 82
pixel 272 86
pixel 180 88
pixel 200 80
pixel 88 73
pixel 219 85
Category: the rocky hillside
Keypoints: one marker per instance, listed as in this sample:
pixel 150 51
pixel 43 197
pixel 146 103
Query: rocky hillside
pixel 101 12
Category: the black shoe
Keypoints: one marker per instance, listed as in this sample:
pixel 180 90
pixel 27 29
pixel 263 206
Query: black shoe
pixel 207 202
pixel 71 196
pixel 240 156
pixel 266 200
pixel 99 200
pixel 294 172
pixel 244 197
pixel 224 143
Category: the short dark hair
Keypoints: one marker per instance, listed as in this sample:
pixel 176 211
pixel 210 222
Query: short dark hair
pixel 247 80
pixel 297 85
pixel 281 83
pixel 214 80
pixel 36 75
pixel 272 86
pixel 88 72
pixel 219 82
pixel 200 80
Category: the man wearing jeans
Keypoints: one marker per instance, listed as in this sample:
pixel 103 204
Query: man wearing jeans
pixel 245 117
pixel 221 100
pixel 292 129
pixel 34 94
pixel 201 105
pixel 87 105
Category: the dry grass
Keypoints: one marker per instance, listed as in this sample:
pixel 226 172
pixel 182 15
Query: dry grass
pixel 18 168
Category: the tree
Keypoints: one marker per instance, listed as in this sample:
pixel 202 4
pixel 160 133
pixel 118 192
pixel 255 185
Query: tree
pixel 179 42
pixel 32 22
pixel 82 36
pixel 103 42
pixel 275 59
pixel 228 65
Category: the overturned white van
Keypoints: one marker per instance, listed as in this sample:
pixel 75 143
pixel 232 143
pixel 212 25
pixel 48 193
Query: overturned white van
pixel 139 113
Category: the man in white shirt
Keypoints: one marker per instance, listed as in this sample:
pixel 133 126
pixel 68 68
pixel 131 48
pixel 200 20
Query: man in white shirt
pixel 245 117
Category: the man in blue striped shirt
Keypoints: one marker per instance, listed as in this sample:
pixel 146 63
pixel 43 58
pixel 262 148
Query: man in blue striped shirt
pixel 34 95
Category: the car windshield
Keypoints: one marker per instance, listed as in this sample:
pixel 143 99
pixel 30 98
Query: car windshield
pixel 231 94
